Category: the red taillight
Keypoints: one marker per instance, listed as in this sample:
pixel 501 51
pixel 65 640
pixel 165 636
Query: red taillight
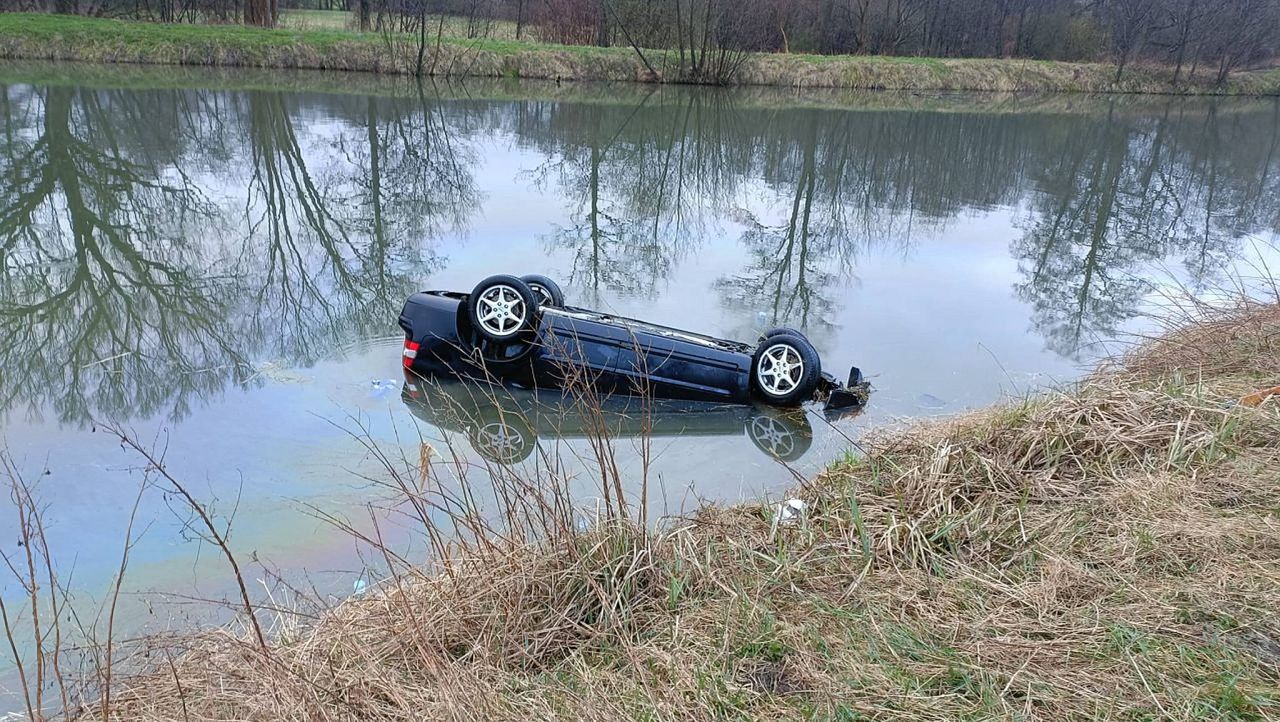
pixel 410 353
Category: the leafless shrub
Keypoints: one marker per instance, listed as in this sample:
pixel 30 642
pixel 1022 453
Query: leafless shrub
pixel 155 464
pixel 34 570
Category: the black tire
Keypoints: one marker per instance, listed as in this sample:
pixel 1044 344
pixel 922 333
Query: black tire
pixel 549 293
pixel 795 384
pixel 785 435
pixel 503 351
pixel 516 303
pixel 781 330
pixel 502 436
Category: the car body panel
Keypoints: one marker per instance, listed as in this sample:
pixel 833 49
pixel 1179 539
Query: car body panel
pixel 615 354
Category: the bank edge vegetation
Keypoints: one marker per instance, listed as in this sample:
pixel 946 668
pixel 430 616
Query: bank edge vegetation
pixel 61 38
pixel 1107 552
pixel 1108 45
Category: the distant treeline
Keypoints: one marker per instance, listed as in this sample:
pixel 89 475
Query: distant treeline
pixel 1192 36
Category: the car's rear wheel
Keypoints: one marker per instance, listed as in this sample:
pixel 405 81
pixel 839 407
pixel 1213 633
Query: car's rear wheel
pixel 781 330
pixel 503 308
pixel 782 434
pixel 502 437
pixel 785 370
pixel 548 291
pixel 495 355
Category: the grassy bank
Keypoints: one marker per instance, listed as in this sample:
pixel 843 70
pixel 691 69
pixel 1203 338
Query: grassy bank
pixel 1111 552
pixel 208 78
pixel 49 37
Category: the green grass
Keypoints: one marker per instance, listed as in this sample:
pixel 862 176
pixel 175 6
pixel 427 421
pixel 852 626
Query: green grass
pixel 96 35
pixel 454 26
pixel 43 28
pixel 317 20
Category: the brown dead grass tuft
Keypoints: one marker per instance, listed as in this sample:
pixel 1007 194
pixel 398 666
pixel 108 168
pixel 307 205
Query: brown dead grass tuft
pixel 1220 345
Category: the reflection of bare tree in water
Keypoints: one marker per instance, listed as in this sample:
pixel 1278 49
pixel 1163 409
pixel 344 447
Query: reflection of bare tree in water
pixel 854 182
pixel 291 235
pixel 406 179
pixel 117 295
pixel 788 275
pixel 681 167
pixel 1227 187
pixel 659 170
pixel 104 304
pixel 1081 285
pixel 610 251
pixel 1113 205
pixel 332 264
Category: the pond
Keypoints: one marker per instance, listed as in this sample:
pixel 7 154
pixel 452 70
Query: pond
pixel 215 263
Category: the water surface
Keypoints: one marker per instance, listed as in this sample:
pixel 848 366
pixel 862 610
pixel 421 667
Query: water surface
pixel 216 265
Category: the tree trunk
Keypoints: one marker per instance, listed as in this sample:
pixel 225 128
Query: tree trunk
pixel 259 13
pixel 1224 70
pixel 828 27
pixel 602 24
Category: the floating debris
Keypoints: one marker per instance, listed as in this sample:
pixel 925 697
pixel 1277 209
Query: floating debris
pixel 276 372
pixel 929 401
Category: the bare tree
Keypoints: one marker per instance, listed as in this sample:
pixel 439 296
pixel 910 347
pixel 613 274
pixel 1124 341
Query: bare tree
pixel 263 13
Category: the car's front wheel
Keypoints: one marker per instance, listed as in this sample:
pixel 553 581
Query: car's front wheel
pixel 502 308
pixel 785 370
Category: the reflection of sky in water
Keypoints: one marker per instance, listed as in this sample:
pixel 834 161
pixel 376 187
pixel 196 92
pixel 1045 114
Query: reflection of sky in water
pixel 919 265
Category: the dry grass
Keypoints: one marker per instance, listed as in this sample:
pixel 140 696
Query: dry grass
pixel 1108 553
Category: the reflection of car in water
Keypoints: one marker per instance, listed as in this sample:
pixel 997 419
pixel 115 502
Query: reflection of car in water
pixel 519 332
pixel 503 424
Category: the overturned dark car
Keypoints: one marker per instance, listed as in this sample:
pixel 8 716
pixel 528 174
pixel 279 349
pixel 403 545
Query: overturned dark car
pixel 517 331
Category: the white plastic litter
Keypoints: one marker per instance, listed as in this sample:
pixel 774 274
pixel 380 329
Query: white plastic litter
pixel 790 511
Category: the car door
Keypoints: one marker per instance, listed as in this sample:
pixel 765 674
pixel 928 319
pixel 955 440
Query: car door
pixel 667 364
pixel 578 351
